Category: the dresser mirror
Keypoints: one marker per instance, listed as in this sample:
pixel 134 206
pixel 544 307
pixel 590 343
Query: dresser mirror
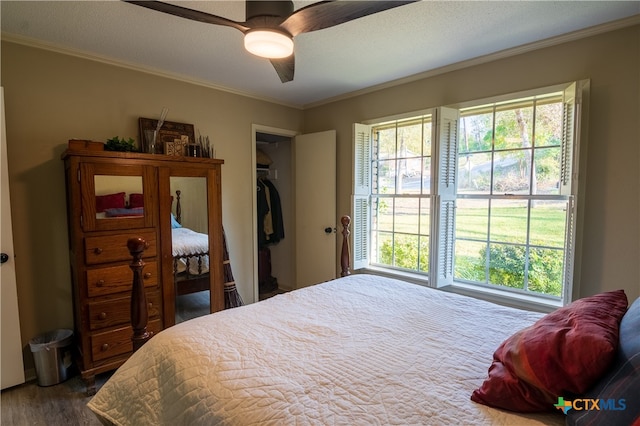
pixel 190 245
pixel 118 196
pixel 114 197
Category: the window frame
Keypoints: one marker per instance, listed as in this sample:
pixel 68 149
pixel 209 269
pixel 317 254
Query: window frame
pixel 400 196
pixel 443 195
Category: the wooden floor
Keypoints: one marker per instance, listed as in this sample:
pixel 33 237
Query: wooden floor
pixel 192 305
pixel 62 404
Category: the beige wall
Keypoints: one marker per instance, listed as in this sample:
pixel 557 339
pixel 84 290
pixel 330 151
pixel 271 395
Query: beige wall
pixel 50 98
pixel 611 213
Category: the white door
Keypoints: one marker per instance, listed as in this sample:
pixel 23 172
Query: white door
pixel 315 207
pixel 12 366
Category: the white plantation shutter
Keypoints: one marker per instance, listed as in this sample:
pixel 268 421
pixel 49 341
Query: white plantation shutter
pixel 573 116
pixel 445 132
pixel 362 159
pixel 361 194
pixel 360 231
pixel 568 134
pixel 569 252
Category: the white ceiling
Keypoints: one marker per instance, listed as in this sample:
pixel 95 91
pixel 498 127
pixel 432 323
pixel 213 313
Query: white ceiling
pixel 396 44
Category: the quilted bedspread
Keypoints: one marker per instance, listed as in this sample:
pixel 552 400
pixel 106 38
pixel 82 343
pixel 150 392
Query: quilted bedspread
pixel 185 241
pixel 360 350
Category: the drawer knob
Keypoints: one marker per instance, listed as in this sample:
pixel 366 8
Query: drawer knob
pixel 104 347
pixel 150 305
pixel 99 283
pixel 103 315
pixel 97 250
pixel 147 275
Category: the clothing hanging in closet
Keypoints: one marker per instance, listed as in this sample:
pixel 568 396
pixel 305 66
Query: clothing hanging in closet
pixel 270 231
pixel 270 223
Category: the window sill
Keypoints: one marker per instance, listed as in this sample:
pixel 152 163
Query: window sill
pixel 399 275
pixel 528 302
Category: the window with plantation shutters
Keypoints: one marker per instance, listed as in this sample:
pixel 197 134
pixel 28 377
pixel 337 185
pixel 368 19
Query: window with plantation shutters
pixel 393 197
pixel 482 196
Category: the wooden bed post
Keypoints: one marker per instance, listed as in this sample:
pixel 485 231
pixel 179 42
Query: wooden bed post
pixel 344 256
pixel 178 207
pixel 139 314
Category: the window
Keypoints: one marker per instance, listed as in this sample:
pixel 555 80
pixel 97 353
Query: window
pixel 400 194
pixel 481 196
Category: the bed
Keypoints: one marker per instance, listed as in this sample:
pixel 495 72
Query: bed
pixel 369 350
pixel 190 250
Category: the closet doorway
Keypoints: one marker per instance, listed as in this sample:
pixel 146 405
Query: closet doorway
pixel 302 170
pixel 273 212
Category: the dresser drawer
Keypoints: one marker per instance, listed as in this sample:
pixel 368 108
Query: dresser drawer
pixel 118 311
pixel 118 341
pixel 116 279
pixel 113 248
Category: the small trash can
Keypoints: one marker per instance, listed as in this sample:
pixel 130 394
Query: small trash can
pixel 52 356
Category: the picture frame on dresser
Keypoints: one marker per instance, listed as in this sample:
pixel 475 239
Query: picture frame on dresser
pixel 173 137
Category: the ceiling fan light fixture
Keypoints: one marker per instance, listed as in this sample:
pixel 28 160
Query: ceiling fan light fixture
pixel 268 43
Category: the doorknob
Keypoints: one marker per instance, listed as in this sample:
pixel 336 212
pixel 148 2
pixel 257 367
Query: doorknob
pixel 4 257
pixel 329 230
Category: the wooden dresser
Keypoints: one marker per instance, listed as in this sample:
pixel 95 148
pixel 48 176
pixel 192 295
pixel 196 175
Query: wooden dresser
pixel 111 197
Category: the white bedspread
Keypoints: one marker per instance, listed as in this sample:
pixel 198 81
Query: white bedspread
pixel 186 241
pixel 361 350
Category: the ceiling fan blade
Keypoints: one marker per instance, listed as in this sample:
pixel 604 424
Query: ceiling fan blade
pixel 195 15
pixel 327 14
pixel 285 68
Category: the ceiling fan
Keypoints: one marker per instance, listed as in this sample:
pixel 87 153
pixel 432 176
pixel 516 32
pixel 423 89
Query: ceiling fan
pixel 270 26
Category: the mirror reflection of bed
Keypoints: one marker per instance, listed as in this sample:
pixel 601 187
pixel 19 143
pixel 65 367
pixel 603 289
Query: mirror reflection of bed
pixel 190 246
pixel 128 188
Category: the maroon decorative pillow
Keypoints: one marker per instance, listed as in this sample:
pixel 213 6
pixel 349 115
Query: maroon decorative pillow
pixel 563 353
pixel 110 201
pixel 136 200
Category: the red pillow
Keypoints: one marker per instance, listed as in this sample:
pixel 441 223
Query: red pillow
pixel 563 353
pixel 136 200
pixel 110 201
